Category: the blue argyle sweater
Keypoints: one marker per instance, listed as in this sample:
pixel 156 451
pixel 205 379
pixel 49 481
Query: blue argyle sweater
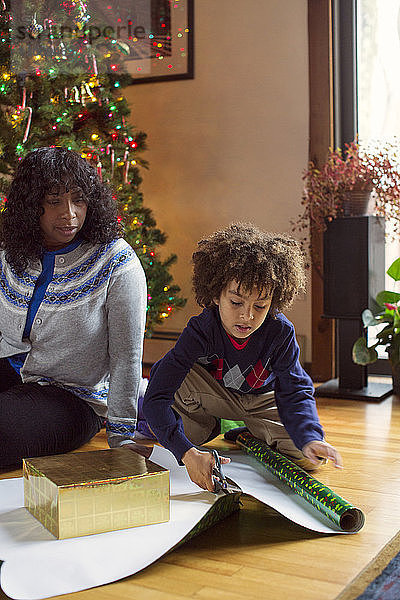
pixel 268 360
pixel 76 320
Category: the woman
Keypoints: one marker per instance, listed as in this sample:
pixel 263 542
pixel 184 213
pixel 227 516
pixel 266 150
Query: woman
pixel 72 311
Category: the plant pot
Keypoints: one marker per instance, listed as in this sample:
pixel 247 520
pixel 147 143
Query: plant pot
pixel 396 378
pixel 357 203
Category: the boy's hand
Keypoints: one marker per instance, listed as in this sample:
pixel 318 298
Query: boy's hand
pixel 316 450
pixel 199 466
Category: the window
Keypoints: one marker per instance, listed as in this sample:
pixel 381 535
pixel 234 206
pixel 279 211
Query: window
pixel 378 82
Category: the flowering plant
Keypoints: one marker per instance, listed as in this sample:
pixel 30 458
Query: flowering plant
pixel 388 304
pixel 328 189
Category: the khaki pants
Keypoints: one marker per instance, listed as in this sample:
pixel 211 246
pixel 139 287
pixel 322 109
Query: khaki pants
pixel 201 401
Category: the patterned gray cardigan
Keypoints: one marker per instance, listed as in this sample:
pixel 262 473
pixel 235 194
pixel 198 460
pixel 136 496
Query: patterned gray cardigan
pixel 87 335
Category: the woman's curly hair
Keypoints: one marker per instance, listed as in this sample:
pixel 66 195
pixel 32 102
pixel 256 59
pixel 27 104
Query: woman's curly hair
pixel 38 173
pixel 270 262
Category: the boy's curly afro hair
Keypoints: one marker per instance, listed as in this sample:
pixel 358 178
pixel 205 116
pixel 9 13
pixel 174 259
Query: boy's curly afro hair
pixel 269 262
pixel 39 172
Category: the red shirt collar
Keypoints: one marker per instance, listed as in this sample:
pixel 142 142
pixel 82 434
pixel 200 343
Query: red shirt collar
pixel 236 344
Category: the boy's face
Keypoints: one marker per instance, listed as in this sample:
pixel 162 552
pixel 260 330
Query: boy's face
pixel 241 312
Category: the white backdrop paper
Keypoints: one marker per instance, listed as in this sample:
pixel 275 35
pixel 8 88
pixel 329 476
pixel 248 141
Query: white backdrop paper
pixel 37 565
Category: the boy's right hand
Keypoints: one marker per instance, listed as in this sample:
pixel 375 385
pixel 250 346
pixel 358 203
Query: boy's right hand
pixel 200 465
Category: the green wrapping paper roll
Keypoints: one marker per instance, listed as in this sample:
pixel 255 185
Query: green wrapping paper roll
pixel 347 517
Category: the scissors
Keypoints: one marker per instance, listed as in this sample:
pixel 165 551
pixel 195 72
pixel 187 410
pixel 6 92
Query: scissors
pixel 222 483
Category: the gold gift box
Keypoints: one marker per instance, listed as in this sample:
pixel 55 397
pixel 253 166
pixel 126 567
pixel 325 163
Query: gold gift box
pixel 91 492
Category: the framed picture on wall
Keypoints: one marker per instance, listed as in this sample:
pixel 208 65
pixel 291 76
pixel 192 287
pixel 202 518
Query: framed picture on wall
pixel 157 38
pixel 154 38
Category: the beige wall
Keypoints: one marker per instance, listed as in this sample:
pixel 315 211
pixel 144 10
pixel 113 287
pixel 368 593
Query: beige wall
pixel 230 144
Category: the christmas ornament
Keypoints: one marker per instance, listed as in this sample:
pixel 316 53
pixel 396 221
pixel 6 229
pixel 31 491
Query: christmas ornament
pixel 124 48
pixel 110 150
pixel 85 93
pixel 23 103
pixel 16 118
pixel 34 29
pixel 82 18
pixel 94 82
pixel 126 167
pixel 95 71
pixel 74 95
pixel 63 55
pixel 48 24
pixel 28 124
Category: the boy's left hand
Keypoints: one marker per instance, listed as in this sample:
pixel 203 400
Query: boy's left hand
pixel 317 450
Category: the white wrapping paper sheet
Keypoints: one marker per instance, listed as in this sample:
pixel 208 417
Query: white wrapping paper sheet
pixel 37 565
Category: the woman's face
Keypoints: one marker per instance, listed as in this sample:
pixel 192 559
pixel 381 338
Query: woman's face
pixel 64 213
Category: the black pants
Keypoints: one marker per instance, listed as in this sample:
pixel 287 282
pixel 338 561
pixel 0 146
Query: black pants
pixel 40 420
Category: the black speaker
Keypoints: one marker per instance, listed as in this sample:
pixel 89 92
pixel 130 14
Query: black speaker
pixel 354 265
pixel 354 272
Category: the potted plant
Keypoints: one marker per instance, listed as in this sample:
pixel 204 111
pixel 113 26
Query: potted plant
pixel 387 315
pixel 346 184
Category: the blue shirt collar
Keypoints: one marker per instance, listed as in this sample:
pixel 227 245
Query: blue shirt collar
pixel 74 244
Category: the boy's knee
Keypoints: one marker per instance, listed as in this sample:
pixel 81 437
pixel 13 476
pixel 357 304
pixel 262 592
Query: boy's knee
pixel 215 432
pixel 200 434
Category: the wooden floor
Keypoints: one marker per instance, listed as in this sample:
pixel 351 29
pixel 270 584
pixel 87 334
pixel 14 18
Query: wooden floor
pixel 258 554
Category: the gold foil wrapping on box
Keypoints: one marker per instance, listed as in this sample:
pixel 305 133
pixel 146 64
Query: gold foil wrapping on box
pixel 92 492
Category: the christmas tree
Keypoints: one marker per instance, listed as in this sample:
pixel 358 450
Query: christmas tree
pixel 60 85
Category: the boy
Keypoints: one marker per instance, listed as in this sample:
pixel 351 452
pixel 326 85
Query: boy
pixel 239 358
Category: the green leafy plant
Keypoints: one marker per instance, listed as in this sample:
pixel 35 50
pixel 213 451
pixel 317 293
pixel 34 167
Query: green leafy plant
pixel 388 304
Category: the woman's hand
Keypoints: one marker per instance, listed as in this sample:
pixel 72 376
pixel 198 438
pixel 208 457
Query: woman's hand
pixel 199 466
pixel 317 450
